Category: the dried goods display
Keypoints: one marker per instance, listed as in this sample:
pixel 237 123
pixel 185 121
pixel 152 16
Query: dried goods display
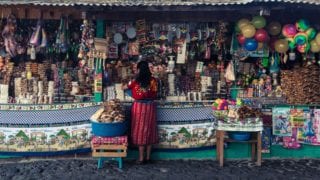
pixel 300 86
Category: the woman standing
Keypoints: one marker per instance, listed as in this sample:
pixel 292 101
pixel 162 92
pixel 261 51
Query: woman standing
pixel 143 113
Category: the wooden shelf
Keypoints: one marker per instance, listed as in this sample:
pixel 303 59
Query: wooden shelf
pixel 248 141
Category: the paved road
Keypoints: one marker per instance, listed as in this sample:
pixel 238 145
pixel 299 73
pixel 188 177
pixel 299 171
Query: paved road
pixel 86 168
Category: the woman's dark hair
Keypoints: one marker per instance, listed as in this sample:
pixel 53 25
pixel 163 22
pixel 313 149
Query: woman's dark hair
pixel 144 75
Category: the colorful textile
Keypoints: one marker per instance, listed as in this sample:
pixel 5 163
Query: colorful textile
pixel 249 125
pixel 139 93
pixel 143 123
pixel 99 140
pixel 47 117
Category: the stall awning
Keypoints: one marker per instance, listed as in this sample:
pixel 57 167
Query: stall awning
pixel 316 2
pixel 124 2
pixel 146 2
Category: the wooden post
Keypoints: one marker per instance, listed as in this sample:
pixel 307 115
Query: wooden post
pixel 100 33
pixel 259 148
pixel 253 147
pixel 221 144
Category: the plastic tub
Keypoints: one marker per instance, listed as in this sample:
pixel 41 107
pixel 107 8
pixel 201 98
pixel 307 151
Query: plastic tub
pixel 109 129
pixel 240 136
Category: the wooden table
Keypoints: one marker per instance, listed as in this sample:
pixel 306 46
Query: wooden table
pixel 255 142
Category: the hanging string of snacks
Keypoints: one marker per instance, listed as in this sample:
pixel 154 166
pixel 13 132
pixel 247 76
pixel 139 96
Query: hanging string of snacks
pixel 63 36
pixel 87 41
pixel 8 35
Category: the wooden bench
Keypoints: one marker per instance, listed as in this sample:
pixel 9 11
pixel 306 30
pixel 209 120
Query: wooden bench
pixel 109 148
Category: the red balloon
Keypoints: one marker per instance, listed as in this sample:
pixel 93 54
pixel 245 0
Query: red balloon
pixel 261 35
pixel 241 39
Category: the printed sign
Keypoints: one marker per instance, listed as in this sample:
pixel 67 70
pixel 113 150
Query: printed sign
pixel 281 121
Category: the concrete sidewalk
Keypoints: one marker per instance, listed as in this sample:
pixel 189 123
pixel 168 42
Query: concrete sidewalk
pixel 86 168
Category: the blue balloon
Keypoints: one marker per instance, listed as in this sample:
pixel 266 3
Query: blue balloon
pixel 250 44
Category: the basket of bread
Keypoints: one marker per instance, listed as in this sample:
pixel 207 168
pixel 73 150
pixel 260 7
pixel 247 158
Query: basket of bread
pixel 109 120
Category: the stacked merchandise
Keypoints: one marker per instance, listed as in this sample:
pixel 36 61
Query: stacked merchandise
pixel 4 93
pixel 300 86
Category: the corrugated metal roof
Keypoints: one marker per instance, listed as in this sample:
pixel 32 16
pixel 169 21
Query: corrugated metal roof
pixel 124 2
pixel 316 2
pixel 145 2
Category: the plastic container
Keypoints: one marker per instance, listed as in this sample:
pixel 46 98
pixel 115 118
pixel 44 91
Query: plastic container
pixel 240 136
pixel 109 129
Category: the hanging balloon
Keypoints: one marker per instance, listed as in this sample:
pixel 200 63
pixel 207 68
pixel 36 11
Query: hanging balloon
pixel 302 25
pixel 291 43
pixel 311 33
pixel 318 39
pixel 241 39
pixel 274 28
pixel 303 48
pixel 250 44
pixel 261 35
pixel 289 30
pixel 315 48
pixel 272 41
pixel 258 22
pixel 281 46
pixel 242 22
pixel 300 38
pixel 248 31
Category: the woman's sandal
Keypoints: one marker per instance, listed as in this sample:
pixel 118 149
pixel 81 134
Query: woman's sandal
pixel 138 162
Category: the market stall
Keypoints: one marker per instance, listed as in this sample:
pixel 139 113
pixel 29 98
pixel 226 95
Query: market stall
pixel 56 69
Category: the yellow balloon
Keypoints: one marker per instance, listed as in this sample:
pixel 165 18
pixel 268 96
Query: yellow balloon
pixel 242 22
pixel 318 39
pixel 314 46
pixel 281 46
pixel 248 31
pixel 274 28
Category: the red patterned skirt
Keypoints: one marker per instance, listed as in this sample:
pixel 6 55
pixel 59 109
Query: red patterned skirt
pixel 143 123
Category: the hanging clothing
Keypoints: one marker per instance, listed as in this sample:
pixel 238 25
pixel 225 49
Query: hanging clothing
pixel 143 114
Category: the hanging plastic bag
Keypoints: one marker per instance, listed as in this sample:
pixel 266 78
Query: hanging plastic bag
pixel 35 38
pixel 274 63
pixel 229 75
pixel 44 40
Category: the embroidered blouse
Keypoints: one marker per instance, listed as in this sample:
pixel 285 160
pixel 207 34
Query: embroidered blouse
pixel 139 93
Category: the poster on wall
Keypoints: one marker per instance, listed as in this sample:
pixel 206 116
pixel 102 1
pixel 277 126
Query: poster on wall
pixel 281 121
pixel 310 132
pixel 45 139
pixel 173 136
pixel 299 116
